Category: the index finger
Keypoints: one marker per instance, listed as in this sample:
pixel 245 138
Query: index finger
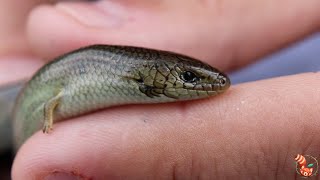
pixel 226 34
pixel 254 130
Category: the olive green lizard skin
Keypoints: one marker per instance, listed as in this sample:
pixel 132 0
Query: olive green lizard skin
pixel 100 76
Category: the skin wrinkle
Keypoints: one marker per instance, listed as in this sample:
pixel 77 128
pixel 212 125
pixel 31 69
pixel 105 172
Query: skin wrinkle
pixel 180 163
pixel 218 107
pixel 286 156
pixel 193 166
pixel 184 117
pixel 277 166
pixel 159 161
pixel 306 144
pixel 174 175
pixel 257 162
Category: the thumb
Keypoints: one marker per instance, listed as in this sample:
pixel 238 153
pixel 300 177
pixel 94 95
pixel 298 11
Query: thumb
pixel 223 33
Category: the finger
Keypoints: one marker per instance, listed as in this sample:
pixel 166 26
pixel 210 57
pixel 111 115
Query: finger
pixel 254 130
pixel 13 17
pixel 224 33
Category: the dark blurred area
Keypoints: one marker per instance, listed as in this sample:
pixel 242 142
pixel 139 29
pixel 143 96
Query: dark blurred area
pixel 5 165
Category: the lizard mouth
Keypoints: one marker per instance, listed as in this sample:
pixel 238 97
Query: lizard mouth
pixel 221 84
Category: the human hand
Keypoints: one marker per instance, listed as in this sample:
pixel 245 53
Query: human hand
pixel 254 130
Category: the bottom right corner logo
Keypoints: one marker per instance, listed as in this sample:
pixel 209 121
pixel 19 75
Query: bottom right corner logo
pixel 306 165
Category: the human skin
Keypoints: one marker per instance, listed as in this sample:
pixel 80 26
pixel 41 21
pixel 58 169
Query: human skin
pixel 254 130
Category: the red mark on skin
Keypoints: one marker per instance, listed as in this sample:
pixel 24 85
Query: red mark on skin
pixel 63 175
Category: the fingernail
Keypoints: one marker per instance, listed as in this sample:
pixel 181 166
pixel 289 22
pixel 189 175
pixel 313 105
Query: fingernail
pixel 100 14
pixel 62 176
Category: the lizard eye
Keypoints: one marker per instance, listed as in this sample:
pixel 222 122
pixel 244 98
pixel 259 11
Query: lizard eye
pixel 222 82
pixel 188 77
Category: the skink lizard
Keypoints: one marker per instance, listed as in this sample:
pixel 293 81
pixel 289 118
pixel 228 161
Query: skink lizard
pixel 100 76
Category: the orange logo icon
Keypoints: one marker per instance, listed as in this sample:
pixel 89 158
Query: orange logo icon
pixel 306 165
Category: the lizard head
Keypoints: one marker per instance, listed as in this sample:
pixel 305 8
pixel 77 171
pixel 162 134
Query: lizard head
pixel 182 77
